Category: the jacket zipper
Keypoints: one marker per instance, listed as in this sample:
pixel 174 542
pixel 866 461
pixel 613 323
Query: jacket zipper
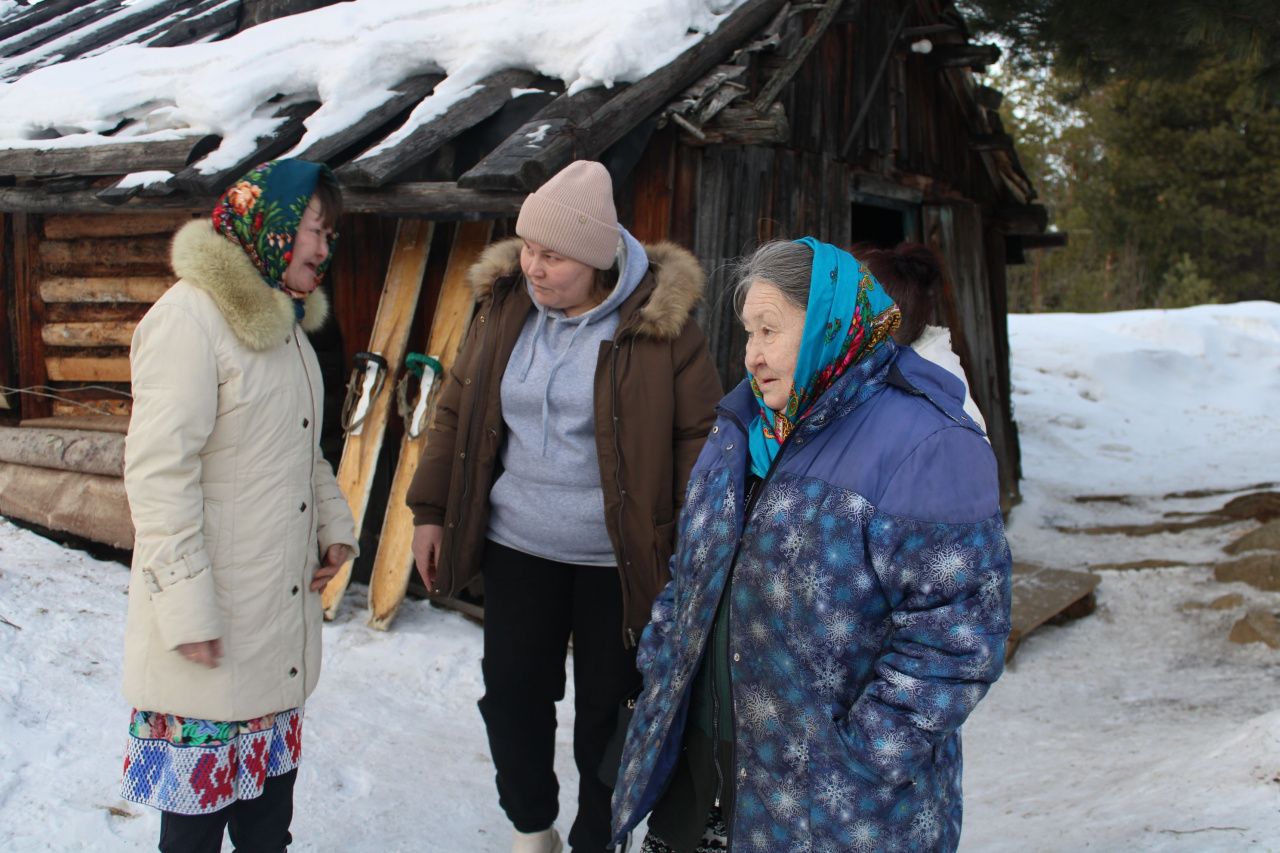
pixel 472 428
pixel 311 393
pixel 628 635
pixel 728 615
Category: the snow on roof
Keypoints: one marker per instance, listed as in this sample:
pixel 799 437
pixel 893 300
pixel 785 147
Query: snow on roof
pixel 348 56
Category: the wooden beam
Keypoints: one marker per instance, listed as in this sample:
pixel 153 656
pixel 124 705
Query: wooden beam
pixel 92 407
pixel 48 21
pixel 90 506
pixel 1047 240
pixel 977 56
pixel 878 186
pixel 375 170
pixel 115 289
pixel 286 135
pixel 96 423
pixel 869 96
pixel 437 200
pixel 29 311
pixel 88 369
pixel 64 449
pixel 990 142
pixel 34 16
pixel 116 24
pixel 1022 219
pixel 71 226
pixel 103 334
pixel 403 96
pixel 788 69
pixel 987 97
pixel 112 158
pixel 513 165
pixel 254 12
pixel 208 21
pixel 745 126
pixel 105 252
pixel 564 142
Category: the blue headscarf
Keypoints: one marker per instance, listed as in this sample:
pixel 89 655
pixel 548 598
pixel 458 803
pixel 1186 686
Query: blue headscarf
pixel 848 317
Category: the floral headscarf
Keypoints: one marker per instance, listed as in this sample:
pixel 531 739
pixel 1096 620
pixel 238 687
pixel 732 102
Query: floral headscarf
pixel 261 213
pixel 848 317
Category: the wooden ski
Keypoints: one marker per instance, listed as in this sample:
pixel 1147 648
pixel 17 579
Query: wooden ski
pixel 393 564
pixel 387 345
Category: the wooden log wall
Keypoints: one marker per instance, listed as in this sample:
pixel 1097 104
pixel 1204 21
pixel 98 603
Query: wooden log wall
pixel 8 349
pixel 85 281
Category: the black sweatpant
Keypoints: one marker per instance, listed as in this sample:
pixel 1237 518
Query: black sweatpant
pixel 531 606
pixel 260 825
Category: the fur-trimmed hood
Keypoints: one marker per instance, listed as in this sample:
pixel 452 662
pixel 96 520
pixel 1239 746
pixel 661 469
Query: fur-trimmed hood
pixel 259 315
pixel 678 283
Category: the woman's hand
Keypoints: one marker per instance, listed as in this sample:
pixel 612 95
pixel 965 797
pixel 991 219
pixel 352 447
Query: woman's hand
pixel 427 539
pixel 334 557
pixel 207 653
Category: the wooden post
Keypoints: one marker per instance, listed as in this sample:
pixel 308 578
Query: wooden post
pixel 29 310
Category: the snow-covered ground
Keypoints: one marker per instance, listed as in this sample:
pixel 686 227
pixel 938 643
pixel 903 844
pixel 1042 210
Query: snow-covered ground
pixel 1137 728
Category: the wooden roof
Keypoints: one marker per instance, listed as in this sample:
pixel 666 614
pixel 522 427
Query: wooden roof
pixel 484 153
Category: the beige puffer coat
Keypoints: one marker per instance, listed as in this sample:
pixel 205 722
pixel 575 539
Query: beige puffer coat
pixel 232 503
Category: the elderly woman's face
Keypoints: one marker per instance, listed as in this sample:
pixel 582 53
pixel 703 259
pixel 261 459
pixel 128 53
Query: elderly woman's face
pixel 774 327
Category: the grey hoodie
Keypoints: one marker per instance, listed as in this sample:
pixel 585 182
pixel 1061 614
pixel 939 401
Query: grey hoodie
pixel 547 501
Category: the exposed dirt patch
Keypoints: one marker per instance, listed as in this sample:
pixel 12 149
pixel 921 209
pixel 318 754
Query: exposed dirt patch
pixel 1260 571
pixel 1230 601
pixel 1138 564
pixel 1265 538
pixel 1257 626
pixel 1209 493
pixel 1262 506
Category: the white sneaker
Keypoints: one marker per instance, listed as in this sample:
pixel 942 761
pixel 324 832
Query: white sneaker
pixel 546 841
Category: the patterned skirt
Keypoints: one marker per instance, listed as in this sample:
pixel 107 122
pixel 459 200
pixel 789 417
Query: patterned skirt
pixel 192 767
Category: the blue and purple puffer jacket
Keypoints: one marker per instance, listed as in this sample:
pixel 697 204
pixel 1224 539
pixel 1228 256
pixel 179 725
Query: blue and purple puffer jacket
pixel 868 612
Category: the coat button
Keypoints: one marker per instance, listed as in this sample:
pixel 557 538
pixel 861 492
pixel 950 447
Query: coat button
pixel 467 381
pixel 303 508
pixel 736 657
pixel 450 525
pixel 305 423
pixel 715 429
pixel 729 446
pixel 293 672
pixel 295 590
pixel 462 454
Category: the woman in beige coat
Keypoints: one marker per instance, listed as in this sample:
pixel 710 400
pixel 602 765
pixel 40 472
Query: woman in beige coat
pixel 239 521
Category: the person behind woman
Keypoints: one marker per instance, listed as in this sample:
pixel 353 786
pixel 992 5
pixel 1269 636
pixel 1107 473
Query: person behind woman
pixel 555 468
pixel 239 521
pixel 840 593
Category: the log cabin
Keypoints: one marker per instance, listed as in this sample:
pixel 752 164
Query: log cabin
pixel 849 120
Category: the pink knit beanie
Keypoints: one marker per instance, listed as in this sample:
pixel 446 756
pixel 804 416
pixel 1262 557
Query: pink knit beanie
pixel 573 214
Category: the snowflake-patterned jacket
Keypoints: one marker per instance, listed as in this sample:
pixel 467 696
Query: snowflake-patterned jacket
pixel 868 612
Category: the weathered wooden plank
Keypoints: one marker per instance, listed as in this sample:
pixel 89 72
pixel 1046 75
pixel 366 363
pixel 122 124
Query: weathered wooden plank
pixel 439 200
pixel 113 158
pixel 35 16
pixel 92 407
pixel 29 313
pixel 510 166
pixel 106 252
pixel 89 452
pixel 96 423
pixel 975 56
pixel 782 76
pixel 87 368
pixel 90 506
pixel 70 226
pixel 48 21
pixel 134 289
pixel 384 162
pixel 403 96
pixel 118 24
pixel 196 181
pixel 206 20
pixel 393 564
pixel 104 334
pixel 745 126
pixel 389 338
pixel 564 141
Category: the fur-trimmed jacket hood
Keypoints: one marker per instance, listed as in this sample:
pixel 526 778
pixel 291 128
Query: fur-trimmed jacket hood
pixel 259 315
pixel 654 398
pixel 665 305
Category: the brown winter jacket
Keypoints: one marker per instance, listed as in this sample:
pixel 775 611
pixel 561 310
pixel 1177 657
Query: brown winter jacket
pixel 655 394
